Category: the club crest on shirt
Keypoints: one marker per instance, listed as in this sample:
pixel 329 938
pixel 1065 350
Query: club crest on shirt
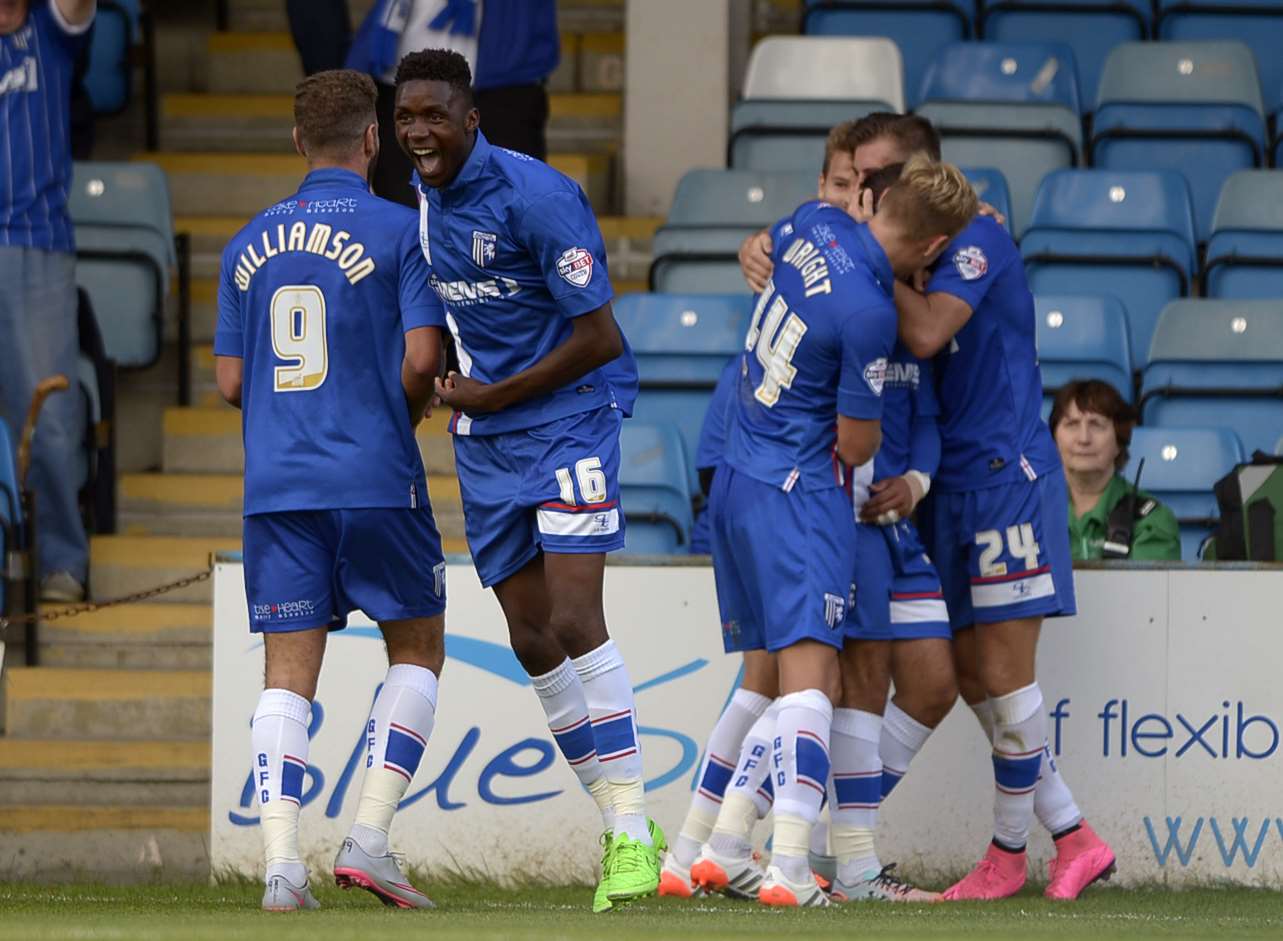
pixel 575 266
pixel 875 374
pixel 971 263
pixel 483 246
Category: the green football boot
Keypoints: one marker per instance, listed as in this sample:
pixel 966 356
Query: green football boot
pixel 600 901
pixel 634 867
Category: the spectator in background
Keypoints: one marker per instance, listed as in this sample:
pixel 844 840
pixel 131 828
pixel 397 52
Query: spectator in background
pixel 1108 517
pixel 322 33
pixel 39 42
pixel 512 46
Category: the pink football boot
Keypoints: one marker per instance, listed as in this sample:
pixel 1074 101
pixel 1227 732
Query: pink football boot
pixel 999 875
pixel 1082 858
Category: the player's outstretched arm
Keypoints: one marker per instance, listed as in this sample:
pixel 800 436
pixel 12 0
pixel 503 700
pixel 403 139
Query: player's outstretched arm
pixel 228 373
pixel 755 260
pixel 594 341
pixel 420 369
pixel 858 440
pixel 929 321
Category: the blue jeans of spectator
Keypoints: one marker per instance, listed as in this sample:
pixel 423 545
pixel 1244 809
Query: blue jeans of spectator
pixel 38 338
pixel 322 33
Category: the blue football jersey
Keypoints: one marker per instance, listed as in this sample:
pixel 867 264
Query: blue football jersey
pixel 988 382
pixel 711 450
pixel 316 295
pixel 908 397
pixel 515 255
pixel 36 65
pixel 817 348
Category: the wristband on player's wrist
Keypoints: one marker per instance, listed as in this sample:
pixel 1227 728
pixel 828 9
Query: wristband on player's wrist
pixel 922 480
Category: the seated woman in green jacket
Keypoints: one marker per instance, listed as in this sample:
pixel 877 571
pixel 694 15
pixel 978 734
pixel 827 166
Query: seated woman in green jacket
pixel 1108 518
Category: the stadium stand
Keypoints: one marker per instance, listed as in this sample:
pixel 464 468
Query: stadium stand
pixel 1258 23
pixel 1194 108
pixel 695 251
pixel 654 489
pixel 1217 364
pixel 991 186
pixel 1130 235
pixel 682 343
pixel 1090 27
pixel 124 253
pixel 1245 252
pixel 765 136
pixel 1014 106
pixel 1082 338
pixel 919 28
pixel 1181 465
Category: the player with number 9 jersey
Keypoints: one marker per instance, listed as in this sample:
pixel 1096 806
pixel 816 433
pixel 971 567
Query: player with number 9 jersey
pixel 315 296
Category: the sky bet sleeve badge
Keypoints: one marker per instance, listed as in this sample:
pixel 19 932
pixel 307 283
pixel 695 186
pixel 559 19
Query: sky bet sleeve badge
pixel 971 263
pixel 575 266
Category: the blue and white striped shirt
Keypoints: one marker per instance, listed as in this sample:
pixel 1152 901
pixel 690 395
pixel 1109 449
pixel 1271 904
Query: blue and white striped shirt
pixel 36 65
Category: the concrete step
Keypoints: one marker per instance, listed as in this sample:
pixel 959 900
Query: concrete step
pixel 94 773
pixel 208 441
pixel 118 844
pixel 57 702
pixel 123 565
pixel 242 184
pixel 266 63
pixel 156 636
pixel 211 504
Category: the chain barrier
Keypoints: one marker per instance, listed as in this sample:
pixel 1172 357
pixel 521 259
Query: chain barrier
pixel 89 607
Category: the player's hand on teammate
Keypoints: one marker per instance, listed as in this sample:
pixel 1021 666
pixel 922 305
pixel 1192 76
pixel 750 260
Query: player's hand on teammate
pixel 987 210
pixel 892 500
pixel 463 393
pixel 861 208
pixel 755 260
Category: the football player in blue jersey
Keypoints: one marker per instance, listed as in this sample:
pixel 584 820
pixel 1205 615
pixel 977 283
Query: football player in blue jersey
pixel 1000 540
pixel 737 737
pixel 545 378
pixel 817 349
pixel 328 340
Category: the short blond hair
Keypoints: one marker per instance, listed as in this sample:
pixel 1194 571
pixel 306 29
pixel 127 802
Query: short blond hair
pixel 930 199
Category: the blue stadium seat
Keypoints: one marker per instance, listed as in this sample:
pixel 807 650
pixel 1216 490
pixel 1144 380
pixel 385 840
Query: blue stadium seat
pixel 654 489
pixel 696 250
pixel 1192 107
pixel 991 186
pixel 919 27
pixel 787 135
pixel 1090 27
pixel 1082 338
pixel 682 343
pixel 108 77
pixel 1245 252
pixel 1181 465
pixel 10 506
pixel 1218 364
pixel 124 253
pixel 1259 23
pixel 1009 105
pixel 1130 235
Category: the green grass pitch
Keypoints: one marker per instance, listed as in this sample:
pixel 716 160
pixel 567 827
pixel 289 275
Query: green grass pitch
pixel 479 913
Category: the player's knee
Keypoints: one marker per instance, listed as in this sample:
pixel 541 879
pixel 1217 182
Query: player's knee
pixel 578 628
pixel 534 646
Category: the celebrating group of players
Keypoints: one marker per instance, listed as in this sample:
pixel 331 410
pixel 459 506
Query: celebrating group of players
pixel 332 308
pixel 917 329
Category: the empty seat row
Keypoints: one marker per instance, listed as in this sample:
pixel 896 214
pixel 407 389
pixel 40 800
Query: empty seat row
pixel 696 249
pixel 1091 28
pixel 1195 108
